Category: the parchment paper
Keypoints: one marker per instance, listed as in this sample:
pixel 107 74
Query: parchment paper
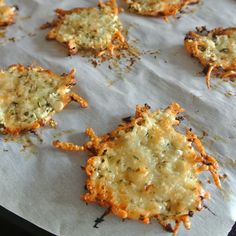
pixel 43 185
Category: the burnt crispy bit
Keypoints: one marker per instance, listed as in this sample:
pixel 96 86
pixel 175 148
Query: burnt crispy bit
pixel 101 218
pixel 191 213
pixel 95 30
pixel 180 118
pixel 127 119
pixel 168 228
pixel 40 94
pixel 215 50
pixel 147 172
pixel 7 14
pixel 202 30
pixel 160 8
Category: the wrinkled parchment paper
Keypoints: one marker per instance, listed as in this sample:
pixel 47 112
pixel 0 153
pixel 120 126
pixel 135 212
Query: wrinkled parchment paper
pixel 43 185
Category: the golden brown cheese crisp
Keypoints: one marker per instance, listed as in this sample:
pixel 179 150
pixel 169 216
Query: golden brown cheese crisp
pixel 215 50
pixel 157 7
pixel 146 170
pixel 7 14
pixel 29 96
pixel 97 30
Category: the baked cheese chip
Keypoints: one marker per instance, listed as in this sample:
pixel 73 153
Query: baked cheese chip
pixel 157 7
pixel 146 170
pixel 7 14
pixel 97 30
pixel 215 50
pixel 29 96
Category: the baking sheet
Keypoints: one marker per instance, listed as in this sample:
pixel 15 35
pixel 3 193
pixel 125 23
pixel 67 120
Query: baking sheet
pixel 43 185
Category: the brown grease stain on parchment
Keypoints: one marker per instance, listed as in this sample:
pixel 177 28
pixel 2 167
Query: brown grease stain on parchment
pixel 122 61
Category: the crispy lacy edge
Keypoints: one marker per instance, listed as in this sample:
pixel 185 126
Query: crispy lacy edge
pixel 69 80
pixel 97 146
pixel 11 16
pixel 169 10
pixel 118 40
pixel 192 45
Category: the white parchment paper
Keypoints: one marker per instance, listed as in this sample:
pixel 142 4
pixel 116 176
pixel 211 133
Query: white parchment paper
pixel 43 185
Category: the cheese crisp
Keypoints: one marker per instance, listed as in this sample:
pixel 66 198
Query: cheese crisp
pixel 216 51
pixel 95 29
pixel 146 170
pixel 7 14
pixel 29 96
pixel 157 7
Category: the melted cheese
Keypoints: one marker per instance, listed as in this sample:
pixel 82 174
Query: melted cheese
pixel 220 49
pixel 6 12
pixel 92 28
pixel 150 169
pixel 152 5
pixel 28 96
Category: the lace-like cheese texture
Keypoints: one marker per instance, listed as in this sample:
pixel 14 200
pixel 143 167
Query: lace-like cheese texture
pixel 29 96
pixel 220 50
pixel 216 50
pixel 91 28
pixel 7 14
pixel 146 169
pixel 157 7
pixel 88 28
